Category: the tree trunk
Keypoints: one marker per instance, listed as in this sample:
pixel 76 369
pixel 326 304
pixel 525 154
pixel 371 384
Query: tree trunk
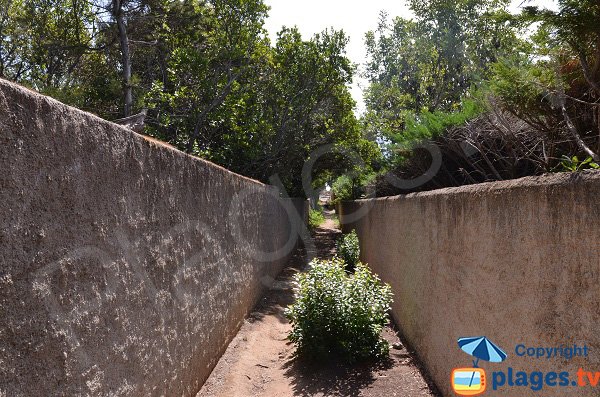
pixel 580 142
pixel 587 73
pixel 125 56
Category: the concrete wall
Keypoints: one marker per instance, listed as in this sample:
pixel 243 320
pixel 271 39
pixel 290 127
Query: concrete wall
pixel 302 207
pixel 516 261
pixel 126 266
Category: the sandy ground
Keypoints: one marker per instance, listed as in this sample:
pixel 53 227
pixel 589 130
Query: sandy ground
pixel 260 362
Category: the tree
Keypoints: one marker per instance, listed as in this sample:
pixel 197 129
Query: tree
pixel 432 62
pixel 117 10
pixel 575 26
pixel 256 109
pixel 308 93
pixel 13 39
pixel 540 96
pixel 214 60
pixel 554 85
pixel 43 41
pixel 215 85
pixel 575 30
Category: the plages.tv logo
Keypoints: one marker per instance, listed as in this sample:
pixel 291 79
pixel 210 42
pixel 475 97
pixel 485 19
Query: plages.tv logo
pixel 471 381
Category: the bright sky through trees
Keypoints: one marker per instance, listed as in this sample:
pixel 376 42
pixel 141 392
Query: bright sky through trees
pixel 355 18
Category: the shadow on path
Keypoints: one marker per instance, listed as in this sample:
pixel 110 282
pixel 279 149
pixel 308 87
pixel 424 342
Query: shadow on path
pixel 260 360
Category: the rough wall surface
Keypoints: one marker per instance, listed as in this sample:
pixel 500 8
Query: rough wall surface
pixel 125 266
pixel 516 261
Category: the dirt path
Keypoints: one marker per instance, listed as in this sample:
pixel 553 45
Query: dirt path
pixel 259 361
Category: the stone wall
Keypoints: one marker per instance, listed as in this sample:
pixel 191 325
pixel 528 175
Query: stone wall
pixel 516 261
pixel 126 266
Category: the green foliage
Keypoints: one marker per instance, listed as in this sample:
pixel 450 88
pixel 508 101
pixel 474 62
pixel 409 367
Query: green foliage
pixel 402 145
pixel 351 187
pixel 215 85
pixel 337 314
pixel 266 113
pixel 348 249
pixel 429 74
pixel 213 63
pixel 574 25
pixel 433 62
pixel 522 85
pixel 315 218
pixel 15 35
pixel 342 189
pixel 428 125
pixel 43 41
pixel 540 89
pixel 553 82
pixel 573 164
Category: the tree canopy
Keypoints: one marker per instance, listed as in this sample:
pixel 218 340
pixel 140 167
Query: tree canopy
pixel 213 83
pixel 431 63
pixel 465 92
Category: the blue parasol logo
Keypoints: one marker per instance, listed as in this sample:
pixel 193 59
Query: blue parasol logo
pixel 482 348
pixel 471 381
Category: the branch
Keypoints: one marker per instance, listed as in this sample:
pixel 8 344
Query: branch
pixel 149 43
pixel 576 136
pixel 587 73
pixel 217 101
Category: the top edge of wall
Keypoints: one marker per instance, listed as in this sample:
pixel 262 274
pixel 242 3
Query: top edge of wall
pixel 550 179
pixel 27 92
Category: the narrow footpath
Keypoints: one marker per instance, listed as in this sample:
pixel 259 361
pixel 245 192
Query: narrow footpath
pixel 260 362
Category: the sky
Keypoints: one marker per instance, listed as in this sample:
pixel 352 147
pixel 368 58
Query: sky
pixel 354 17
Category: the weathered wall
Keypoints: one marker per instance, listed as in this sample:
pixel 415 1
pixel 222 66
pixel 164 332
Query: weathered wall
pixel 517 261
pixel 126 266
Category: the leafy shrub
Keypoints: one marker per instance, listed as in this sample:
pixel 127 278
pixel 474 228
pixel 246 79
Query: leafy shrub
pixel 315 218
pixel 342 189
pixel 573 164
pixel 339 314
pixel 351 188
pixel 348 249
pixel 427 125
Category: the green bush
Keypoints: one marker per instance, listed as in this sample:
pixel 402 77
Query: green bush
pixel 351 188
pixel 573 164
pixel 342 189
pixel 428 125
pixel 348 249
pixel 315 218
pixel 339 314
